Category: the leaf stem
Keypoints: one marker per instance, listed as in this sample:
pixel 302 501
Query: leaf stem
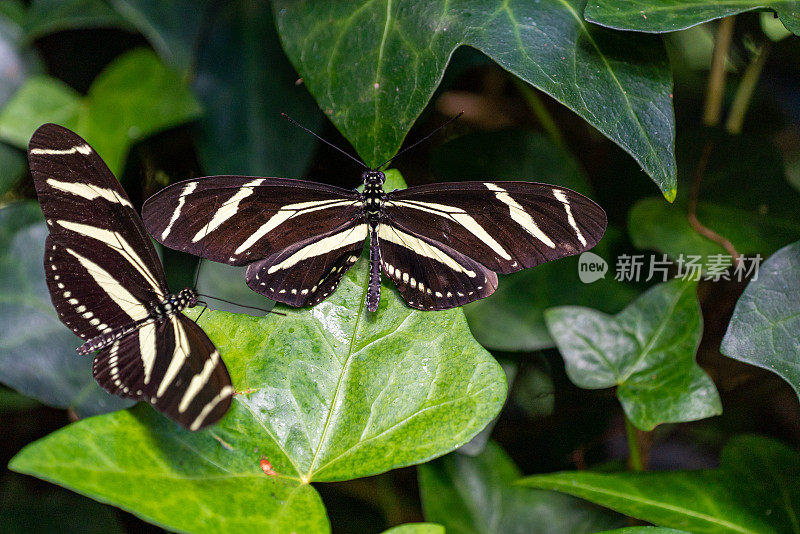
pixel 699 227
pixel 715 90
pixel 540 111
pixel 635 452
pixel 744 93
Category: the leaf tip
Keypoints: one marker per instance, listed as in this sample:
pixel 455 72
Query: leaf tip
pixel 670 194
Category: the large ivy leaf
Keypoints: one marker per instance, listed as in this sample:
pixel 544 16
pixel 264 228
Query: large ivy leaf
pixel 131 99
pixel 755 490
pixel 672 15
pixel 512 319
pixel 139 461
pixel 647 351
pixel 37 352
pixel 476 495
pixel 766 320
pixel 245 82
pixel 329 393
pixel 373 67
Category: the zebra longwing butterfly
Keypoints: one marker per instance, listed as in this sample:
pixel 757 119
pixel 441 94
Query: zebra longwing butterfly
pixel 108 286
pixel 442 244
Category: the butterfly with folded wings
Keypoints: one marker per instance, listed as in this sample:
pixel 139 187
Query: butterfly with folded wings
pixel 441 244
pixel 107 284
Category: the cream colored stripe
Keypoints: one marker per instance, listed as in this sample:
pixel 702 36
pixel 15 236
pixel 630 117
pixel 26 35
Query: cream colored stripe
pixel 286 213
pixel 81 149
pixel 418 246
pixel 343 239
pixel 224 393
pixel 179 355
pixel 519 215
pixel 148 349
pixel 118 243
pixel 88 191
pixel 177 213
pixel 459 216
pixel 561 197
pixel 227 210
pixel 129 304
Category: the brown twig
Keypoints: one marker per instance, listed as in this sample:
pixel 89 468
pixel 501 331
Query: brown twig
pixel 695 194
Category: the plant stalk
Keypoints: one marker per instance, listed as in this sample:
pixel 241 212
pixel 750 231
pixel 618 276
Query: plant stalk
pixel 744 93
pixel 635 462
pixel 715 90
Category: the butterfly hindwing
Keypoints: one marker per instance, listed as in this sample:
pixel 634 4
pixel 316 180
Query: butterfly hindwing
pixel 242 219
pixel 157 363
pixel 429 274
pixel 309 271
pixel 505 226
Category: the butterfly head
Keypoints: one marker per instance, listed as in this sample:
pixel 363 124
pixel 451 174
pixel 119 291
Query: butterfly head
pixel 187 298
pixel 373 178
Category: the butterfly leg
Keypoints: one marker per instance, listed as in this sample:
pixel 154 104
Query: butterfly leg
pixel 374 289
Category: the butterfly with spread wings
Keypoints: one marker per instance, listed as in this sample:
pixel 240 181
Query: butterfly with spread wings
pixel 441 244
pixel 107 284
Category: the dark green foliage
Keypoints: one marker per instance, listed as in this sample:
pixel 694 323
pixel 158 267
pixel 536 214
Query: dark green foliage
pixel 351 421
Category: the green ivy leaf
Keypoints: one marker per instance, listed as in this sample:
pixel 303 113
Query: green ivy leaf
pixel 416 528
pixel 765 322
pixel 755 490
pixel 672 15
pixel 647 351
pixel 12 165
pixel 139 461
pixel 134 97
pixel 476 495
pixel 37 352
pixel 362 63
pixel 645 530
pixel 329 393
pixel 245 82
pixel 50 16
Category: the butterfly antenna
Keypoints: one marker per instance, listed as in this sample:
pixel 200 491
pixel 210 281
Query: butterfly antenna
pixel 202 251
pixel 451 119
pixel 288 118
pixel 240 305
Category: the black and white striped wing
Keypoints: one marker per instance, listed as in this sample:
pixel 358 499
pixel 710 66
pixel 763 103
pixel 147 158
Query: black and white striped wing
pixel 447 237
pixel 158 363
pixel 103 273
pixel 101 267
pixel 298 238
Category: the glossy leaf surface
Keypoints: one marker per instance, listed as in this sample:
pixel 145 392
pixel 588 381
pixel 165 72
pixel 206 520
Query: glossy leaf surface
pixel 672 15
pixel 754 491
pixel 647 351
pixel 766 320
pixel 476 495
pixel 373 67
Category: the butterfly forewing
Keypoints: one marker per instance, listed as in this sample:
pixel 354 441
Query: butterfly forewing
pixel 506 226
pixel 103 274
pixel 238 220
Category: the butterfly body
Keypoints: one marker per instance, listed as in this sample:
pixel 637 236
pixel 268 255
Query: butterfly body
pixel 107 285
pixel 441 244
